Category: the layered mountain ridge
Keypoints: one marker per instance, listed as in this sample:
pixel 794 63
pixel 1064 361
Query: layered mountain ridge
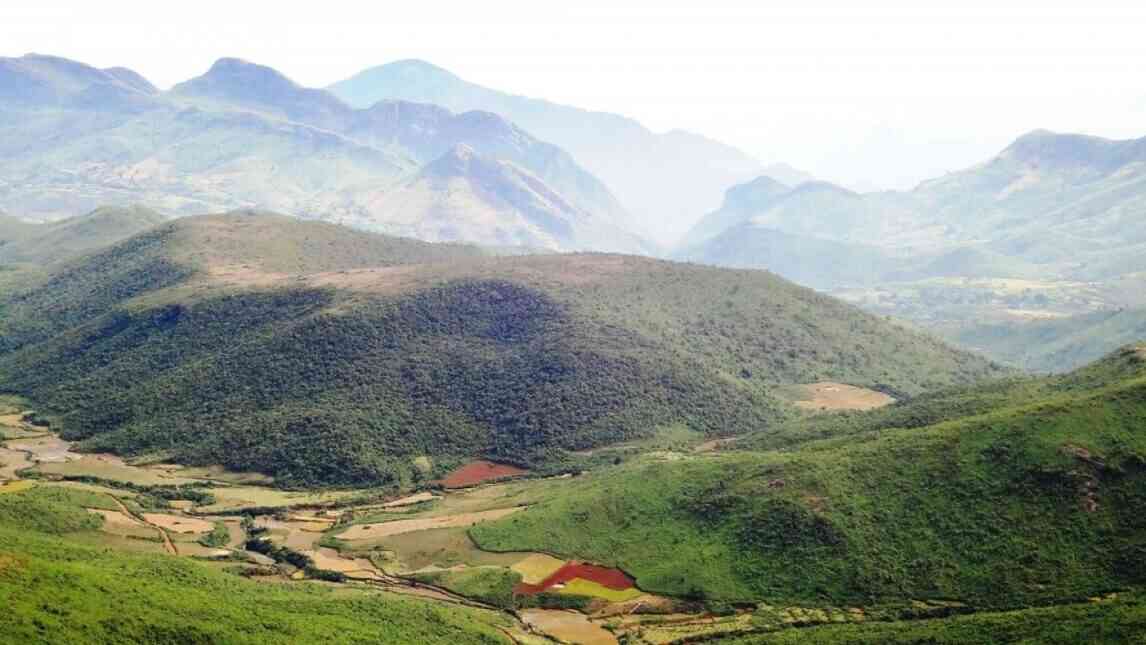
pixel 245 135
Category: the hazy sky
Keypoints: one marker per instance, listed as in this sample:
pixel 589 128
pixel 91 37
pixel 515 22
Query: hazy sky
pixel 879 95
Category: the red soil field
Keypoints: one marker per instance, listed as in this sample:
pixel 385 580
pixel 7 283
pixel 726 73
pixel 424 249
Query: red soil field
pixel 604 576
pixel 477 472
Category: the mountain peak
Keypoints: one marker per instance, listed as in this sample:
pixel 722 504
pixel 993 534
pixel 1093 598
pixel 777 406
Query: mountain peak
pixel 239 82
pixel 415 66
pixel 1053 149
pixel 238 74
pixel 754 194
pixel 456 162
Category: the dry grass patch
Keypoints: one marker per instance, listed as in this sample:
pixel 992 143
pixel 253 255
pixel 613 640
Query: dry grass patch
pixel 45 449
pixel 331 560
pixel 537 567
pixel 582 587
pixel 567 626
pixel 410 500
pixel 111 467
pixel 15 486
pixel 122 524
pixel 838 396
pixel 398 527
pixel 441 548
pixel 178 523
pixel 12 461
pixel 236 497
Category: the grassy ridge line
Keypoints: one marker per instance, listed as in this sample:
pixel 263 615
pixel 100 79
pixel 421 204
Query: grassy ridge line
pixel 1033 504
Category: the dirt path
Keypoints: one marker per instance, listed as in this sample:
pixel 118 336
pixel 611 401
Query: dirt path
pixel 167 543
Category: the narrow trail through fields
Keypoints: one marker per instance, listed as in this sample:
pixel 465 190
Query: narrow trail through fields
pixel 167 543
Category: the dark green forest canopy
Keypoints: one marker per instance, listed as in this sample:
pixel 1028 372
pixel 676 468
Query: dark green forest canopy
pixel 325 355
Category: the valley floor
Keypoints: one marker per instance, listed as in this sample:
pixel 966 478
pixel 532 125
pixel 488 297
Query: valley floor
pixel 363 552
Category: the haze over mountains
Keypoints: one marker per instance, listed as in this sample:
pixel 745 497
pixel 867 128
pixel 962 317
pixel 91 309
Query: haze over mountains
pixel 244 135
pixel 665 180
pixel 1050 227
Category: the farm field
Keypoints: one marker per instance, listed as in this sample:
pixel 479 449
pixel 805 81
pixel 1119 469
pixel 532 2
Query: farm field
pixel 829 396
pixel 480 472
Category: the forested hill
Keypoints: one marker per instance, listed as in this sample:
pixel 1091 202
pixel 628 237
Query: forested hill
pixel 325 355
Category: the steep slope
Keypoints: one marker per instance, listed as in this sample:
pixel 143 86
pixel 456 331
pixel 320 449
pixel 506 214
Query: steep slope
pixel 665 180
pixel 1005 496
pixel 1064 202
pixel 1059 344
pixel 64 239
pixel 815 262
pixel 240 135
pixel 322 355
pixel 1048 228
pixel 465 196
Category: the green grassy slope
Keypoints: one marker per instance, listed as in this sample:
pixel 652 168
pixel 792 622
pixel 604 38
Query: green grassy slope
pixel 55 241
pixel 264 343
pixel 1121 621
pixel 56 590
pixel 1056 345
pixel 1033 496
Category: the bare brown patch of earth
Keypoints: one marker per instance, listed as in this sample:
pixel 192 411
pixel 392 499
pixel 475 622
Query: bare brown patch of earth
pixel 178 523
pixel 839 396
pixel 11 461
pixel 567 626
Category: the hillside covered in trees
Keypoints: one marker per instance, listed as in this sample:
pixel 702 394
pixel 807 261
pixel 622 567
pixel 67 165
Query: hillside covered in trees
pixel 323 355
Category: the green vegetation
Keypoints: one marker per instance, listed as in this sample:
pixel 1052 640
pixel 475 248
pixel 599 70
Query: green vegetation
pixel 64 239
pixel 51 509
pixel 1059 344
pixel 218 536
pixel 349 378
pixel 1027 500
pixel 491 585
pixel 47 584
pixel 1110 621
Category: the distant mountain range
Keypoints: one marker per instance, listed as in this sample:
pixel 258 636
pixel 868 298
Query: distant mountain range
pixel 1050 205
pixel 665 180
pixel 46 243
pixel 243 135
pixel 1053 226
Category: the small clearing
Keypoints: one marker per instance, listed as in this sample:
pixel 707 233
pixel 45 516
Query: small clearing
pixel 11 461
pixel 120 523
pixel 398 527
pixel 479 472
pixel 358 568
pixel 106 466
pixel 45 449
pixel 567 626
pixel 410 500
pixel 838 396
pixel 178 523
